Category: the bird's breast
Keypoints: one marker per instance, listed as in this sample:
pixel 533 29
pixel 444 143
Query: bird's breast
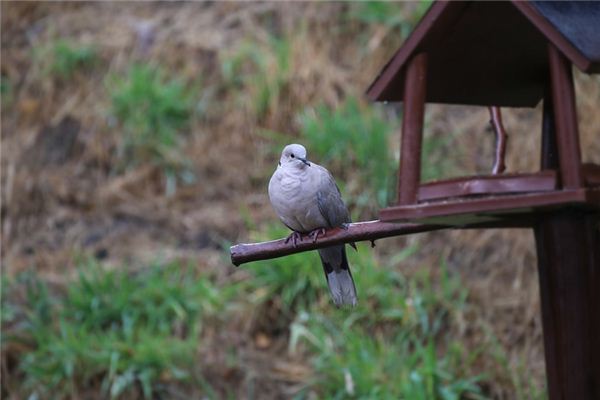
pixel 293 197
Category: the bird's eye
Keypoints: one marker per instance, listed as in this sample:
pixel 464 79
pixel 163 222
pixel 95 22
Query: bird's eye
pixel 293 155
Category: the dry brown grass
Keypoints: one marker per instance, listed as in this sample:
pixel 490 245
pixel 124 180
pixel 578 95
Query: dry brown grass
pixel 59 200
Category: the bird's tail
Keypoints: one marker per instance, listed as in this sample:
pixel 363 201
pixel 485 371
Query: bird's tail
pixel 339 277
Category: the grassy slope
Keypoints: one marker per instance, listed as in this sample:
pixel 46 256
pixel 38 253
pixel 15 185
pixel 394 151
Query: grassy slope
pixel 142 136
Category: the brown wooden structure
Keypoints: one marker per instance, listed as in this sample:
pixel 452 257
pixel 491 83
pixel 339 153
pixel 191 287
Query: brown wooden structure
pixel 514 54
pixel 509 54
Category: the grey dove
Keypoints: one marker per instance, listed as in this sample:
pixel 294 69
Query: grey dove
pixel 307 200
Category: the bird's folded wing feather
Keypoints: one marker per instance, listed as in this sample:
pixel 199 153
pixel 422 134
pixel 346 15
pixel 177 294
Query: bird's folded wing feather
pixel 329 200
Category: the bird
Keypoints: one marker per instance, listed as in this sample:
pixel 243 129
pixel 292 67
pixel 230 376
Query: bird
pixel 307 200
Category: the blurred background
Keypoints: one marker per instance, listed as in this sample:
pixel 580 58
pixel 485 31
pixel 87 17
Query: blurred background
pixel 137 144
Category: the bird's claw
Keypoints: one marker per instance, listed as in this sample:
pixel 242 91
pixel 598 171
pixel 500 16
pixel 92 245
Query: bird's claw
pixel 314 235
pixel 294 237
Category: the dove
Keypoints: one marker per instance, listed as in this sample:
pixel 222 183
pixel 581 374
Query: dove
pixel 308 201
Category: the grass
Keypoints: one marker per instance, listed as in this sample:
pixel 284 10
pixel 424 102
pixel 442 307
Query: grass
pixel 116 331
pixel 258 74
pixel 439 159
pixel 68 58
pixel 391 346
pixel 134 334
pixel 63 59
pixel 298 280
pixel 388 14
pixel 154 112
pixel 6 91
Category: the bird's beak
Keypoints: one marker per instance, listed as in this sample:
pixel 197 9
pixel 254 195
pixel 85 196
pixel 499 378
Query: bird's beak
pixel 304 161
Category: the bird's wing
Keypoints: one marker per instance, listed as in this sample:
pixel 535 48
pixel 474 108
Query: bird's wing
pixel 329 200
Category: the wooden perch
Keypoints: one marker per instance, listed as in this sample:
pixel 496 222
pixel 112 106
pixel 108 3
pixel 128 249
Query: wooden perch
pixel 359 231
pixel 501 138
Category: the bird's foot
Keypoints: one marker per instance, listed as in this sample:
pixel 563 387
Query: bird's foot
pixel 294 237
pixel 314 235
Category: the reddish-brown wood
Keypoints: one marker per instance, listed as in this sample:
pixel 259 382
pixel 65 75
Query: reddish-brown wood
pixel 568 249
pixel 565 113
pixel 493 206
pixel 591 174
pixel 476 59
pixel 361 231
pixel 543 181
pixel 356 232
pixel 549 156
pixel 440 15
pixel 412 130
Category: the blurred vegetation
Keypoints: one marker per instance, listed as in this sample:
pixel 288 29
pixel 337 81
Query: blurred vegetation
pixel 134 332
pixel 394 332
pixel 62 58
pixel 295 279
pixel 385 347
pixel 154 112
pixel 6 91
pixel 389 14
pixel 67 57
pixel 435 163
pixel 124 331
pixel 258 74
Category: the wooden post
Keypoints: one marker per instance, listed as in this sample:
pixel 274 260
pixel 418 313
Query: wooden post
pixel 409 175
pixel 568 250
pixel 565 112
pixel 549 156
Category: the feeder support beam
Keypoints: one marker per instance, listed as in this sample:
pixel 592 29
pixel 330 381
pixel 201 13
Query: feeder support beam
pixel 565 119
pixel 415 90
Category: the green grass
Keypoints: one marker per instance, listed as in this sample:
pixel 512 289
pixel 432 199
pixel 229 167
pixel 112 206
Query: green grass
pixel 114 331
pixel 395 16
pixel 440 158
pixel 125 334
pixel 63 59
pixel 258 75
pixel 66 58
pixel 393 344
pixel 154 112
pixel 6 91
pixel 297 280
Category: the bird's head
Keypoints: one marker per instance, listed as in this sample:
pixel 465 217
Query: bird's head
pixel 294 155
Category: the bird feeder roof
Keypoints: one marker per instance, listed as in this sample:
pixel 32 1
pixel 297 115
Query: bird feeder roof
pixel 493 53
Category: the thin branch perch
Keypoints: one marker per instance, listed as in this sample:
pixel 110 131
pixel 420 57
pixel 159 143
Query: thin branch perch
pixel 360 231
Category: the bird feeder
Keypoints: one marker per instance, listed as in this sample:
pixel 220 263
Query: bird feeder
pixel 502 54
pixel 510 54
pixel 513 54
